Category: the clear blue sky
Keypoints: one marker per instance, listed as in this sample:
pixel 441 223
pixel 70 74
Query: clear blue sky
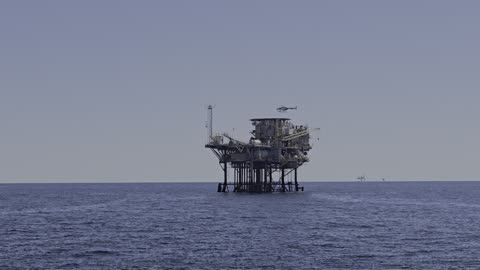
pixel 117 90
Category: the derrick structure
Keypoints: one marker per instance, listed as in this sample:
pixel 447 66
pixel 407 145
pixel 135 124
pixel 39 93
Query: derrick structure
pixel 268 162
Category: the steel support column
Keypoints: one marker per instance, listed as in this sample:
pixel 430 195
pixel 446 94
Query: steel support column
pixel 296 182
pixel 225 176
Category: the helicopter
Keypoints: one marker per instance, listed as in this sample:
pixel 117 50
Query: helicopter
pixel 284 108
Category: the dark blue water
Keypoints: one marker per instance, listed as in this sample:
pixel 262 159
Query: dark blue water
pixel 364 225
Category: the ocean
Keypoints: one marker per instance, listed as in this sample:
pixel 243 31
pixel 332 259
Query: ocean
pixel 355 225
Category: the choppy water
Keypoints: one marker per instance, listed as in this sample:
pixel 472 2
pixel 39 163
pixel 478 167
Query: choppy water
pixel 364 225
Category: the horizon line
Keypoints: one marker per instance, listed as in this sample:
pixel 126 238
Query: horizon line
pixel 205 182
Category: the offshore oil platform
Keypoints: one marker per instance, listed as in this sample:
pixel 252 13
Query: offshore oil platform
pixel 268 162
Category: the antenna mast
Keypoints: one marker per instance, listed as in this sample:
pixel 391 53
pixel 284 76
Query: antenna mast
pixel 210 123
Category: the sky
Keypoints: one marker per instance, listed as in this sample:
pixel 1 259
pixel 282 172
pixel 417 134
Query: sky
pixel 102 91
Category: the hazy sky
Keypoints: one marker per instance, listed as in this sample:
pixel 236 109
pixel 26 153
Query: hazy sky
pixel 117 90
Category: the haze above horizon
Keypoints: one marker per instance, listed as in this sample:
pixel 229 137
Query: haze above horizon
pixel 117 90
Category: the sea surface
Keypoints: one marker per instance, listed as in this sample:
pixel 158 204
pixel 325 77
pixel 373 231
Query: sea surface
pixel 357 225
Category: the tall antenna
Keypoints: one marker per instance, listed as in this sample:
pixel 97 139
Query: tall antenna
pixel 210 122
